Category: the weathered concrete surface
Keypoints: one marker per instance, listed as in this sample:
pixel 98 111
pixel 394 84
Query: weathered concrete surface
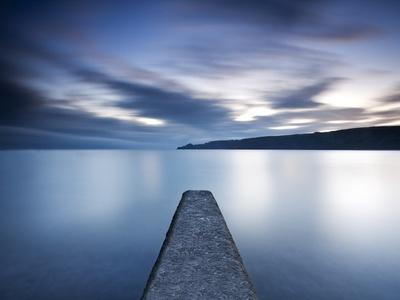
pixel 199 259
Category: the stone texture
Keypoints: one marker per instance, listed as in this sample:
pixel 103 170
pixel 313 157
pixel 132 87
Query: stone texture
pixel 198 259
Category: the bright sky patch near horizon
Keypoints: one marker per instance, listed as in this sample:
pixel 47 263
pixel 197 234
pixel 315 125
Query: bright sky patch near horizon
pixel 159 74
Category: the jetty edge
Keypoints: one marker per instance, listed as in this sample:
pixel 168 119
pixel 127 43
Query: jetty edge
pixel 199 258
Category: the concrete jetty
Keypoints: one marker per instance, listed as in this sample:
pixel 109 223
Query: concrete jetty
pixel 198 259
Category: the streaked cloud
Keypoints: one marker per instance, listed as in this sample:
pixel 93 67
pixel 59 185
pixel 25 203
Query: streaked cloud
pixel 393 97
pixel 158 74
pixel 160 103
pixel 303 97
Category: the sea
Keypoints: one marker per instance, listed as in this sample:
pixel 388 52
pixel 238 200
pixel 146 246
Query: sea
pixel 89 224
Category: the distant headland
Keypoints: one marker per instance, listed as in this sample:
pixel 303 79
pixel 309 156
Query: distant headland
pixel 366 138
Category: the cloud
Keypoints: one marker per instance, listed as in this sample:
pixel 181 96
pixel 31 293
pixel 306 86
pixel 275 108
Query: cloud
pixel 22 138
pixel 249 53
pixel 279 12
pixel 241 50
pixel 343 33
pixel 153 100
pixel 160 103
pixel 16 101
pixel 303 97
pixel 393 97
pixel 49 126
pixel 25 112
pixel 321 115
pixel 303 18
pixel 31 118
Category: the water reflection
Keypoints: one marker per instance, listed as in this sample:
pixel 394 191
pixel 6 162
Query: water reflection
pixel 249 182
pixel 309 224
pixel 360 208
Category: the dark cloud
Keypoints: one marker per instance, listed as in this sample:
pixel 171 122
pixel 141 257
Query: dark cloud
pixel 20 49
pixel 303 97
pixel 160 103
pixel 24 112
pixel 248 53
pixel 343 33
pixel 393 97
pixel 22 138
pixel 279 12
pixel 387 113
pixel 320 116
pixel 49 126
pixel 16 101
pixel 153 101
pixel 307 18
pixel 30 119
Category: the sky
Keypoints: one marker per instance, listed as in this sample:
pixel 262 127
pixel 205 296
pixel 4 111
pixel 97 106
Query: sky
pixel 160 74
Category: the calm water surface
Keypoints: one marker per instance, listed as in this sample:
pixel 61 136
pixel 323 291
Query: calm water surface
pixel 308 224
